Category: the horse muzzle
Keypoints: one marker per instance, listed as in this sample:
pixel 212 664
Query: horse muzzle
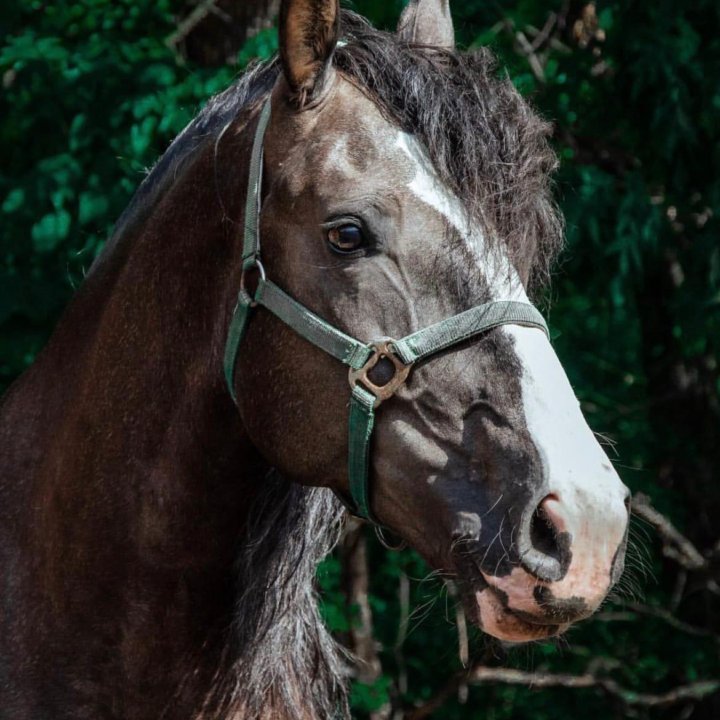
pixel 568 558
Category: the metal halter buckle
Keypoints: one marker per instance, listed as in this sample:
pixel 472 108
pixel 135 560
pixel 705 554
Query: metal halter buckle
pixel 381 349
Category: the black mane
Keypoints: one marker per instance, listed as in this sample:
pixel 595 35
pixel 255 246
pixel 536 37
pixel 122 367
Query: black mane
pixel 283 662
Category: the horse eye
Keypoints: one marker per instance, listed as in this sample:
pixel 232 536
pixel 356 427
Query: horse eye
pixel 346 238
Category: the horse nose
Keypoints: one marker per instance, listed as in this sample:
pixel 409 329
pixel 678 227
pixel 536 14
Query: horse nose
pixel 546 538
pixel 544 541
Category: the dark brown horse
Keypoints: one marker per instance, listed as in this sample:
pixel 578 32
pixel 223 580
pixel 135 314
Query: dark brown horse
pixel 157 547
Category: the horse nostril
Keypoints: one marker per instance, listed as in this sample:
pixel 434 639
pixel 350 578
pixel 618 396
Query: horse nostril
pixel 543 534
pixel 545 546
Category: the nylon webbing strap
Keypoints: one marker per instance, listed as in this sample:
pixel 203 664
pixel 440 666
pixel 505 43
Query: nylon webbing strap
pixel 313 328
pixel 466 325
pixel 251 238
pixel 362 421
pixel 238 326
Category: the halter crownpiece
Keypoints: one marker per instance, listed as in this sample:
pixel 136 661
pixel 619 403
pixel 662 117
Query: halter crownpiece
pixel 362 358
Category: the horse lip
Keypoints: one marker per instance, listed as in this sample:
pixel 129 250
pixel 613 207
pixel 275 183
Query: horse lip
pixel 559 620
pixel 551 629
pixel 533 620
pixel 515 627
pixel 525 617
pixel 476 580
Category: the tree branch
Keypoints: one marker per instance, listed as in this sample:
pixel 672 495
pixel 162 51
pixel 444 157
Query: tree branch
pixel 675 545
pixel 404 600
pixel 190 22
pixel 633 609
pixel 353 555
pixel 542 36
pixel 534 61
pixel 481 674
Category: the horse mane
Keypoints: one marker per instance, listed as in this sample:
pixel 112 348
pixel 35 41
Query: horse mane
pixel 492 150
pixel 283 662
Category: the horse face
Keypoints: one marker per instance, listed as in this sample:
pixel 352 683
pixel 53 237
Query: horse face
pixel 483 461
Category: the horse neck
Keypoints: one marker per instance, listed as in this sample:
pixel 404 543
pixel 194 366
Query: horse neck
pixel 159 539
pixel 129 475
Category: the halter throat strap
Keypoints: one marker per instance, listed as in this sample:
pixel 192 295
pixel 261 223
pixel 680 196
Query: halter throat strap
pixel 360 357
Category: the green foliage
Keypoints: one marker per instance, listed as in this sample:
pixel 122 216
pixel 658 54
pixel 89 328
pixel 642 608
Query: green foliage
pixel 92 94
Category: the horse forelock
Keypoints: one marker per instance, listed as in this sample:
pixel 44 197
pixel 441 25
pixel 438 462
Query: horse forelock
pixel 486 143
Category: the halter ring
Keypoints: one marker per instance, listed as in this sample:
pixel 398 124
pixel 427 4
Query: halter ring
pixel 381 349
pixel 257 265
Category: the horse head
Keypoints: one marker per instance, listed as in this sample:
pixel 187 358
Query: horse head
pixel 404 184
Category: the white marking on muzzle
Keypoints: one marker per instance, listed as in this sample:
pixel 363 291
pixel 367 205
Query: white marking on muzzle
pixel 590 496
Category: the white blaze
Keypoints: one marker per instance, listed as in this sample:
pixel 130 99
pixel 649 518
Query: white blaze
pixel 568 448
pixel 426 186
pixel 576 468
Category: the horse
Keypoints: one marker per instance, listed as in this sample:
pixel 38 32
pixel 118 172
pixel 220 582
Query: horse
pixel 160 530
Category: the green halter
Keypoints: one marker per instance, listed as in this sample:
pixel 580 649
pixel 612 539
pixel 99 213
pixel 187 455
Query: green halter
pixel 360 357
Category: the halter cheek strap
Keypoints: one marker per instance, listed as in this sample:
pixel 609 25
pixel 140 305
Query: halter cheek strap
pixel 360 357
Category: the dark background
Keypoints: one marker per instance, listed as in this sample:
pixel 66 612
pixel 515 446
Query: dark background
pixel 92 91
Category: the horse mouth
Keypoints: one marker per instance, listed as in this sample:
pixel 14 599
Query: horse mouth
pixel 495 611
pixel 491 613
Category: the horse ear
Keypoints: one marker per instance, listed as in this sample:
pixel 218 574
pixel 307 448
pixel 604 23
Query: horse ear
pixel 428 22
pixel 309 31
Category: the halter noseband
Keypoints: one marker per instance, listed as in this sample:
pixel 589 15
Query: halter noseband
pixel 360 357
